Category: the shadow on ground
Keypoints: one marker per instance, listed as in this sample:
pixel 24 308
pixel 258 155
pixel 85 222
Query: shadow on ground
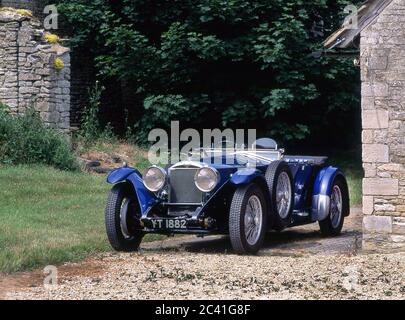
pixel 291 242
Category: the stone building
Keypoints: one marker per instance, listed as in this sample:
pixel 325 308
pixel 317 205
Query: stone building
pixel 380 38
pixel 33 71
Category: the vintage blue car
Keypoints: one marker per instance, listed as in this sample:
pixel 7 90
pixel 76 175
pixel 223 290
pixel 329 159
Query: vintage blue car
pixel 243 193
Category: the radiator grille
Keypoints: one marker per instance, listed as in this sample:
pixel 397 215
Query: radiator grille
pixel 182 187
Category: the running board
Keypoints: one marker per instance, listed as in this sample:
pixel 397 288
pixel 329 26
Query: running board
pixel 301 213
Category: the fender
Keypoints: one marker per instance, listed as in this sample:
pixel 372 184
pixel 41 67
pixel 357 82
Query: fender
pixel 146 199
pixel 322 190
pixel 245 176
pixel 121 174
pixel 249 175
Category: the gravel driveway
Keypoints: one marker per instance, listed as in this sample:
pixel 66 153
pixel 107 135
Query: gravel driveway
pixel 296 264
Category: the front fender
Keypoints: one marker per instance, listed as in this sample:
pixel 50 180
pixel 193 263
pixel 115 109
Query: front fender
pixel 121 174
pixel 322 191
pixel 252 175
pixel 245 176
pixel 146 199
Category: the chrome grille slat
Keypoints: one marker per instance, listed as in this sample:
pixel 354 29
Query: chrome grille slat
pixel 182 189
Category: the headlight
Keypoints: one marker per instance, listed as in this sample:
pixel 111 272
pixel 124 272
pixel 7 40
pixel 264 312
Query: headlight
pixel 154 179
pixel 206 179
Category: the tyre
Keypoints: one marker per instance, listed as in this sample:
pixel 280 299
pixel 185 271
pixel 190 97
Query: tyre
pixel 122 219
pixel 280 183
pixel 248 219
pixel 339 207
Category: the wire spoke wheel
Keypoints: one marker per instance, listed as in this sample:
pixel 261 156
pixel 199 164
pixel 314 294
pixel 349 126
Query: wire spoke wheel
pixel 122 219
pixel 281 191
pixel 283 195
pixel 339 208
pixel 336 203
pixel 248 219
pixel 253 220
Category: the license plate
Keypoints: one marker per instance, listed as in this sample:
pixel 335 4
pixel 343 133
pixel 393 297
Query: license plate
pixel 169 223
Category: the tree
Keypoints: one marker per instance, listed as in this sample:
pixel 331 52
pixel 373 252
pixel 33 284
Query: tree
pixel 237 63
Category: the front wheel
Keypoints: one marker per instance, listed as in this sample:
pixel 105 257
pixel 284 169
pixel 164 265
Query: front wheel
pixel 248 219
pixel 339 206
pixel 122 219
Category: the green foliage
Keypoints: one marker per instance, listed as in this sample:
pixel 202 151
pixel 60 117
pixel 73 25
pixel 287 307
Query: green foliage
pixel 279 99
pixel 91 128
pixel 25 139
pixel 90 123
pixel 238 63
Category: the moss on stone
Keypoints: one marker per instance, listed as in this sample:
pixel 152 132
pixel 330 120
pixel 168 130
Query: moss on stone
pixel 58 64
pixel 51 38
pixel 24 12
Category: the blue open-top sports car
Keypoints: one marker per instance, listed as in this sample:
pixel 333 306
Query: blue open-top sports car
pixel 243 193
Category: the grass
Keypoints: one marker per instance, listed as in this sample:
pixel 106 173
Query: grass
pixel 350 163
pixel 354 179
pixel 50 216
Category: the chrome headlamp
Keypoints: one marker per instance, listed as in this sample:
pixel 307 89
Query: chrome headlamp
pixel 206 179
pixel 154 178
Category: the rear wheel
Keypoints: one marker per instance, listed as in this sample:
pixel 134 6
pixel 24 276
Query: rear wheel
pixel 339 205
pixel 248 219
pixel 280 183
pixel 122 219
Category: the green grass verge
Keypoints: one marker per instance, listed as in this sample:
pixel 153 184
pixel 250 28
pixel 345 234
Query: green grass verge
pixel 354 180
pixel 50 216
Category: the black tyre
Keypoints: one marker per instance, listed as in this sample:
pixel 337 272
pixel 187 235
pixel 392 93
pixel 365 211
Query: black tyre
pixel 122 219
pixel 281 190
pixel 248 219
pixel 339 208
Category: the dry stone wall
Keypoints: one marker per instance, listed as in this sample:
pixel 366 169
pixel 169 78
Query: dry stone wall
pixel 383 117
pixel 36 6
pixel 28 72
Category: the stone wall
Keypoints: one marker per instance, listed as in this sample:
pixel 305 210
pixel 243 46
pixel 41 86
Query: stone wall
pixel 28 75
pixel 383 117
pixel 82 65
pixel 36 6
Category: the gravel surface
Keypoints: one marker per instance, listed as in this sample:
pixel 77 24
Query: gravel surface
pixel 185 275
pixel 294 264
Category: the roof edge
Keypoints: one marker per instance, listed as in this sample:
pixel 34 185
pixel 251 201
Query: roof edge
pixel 344 38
